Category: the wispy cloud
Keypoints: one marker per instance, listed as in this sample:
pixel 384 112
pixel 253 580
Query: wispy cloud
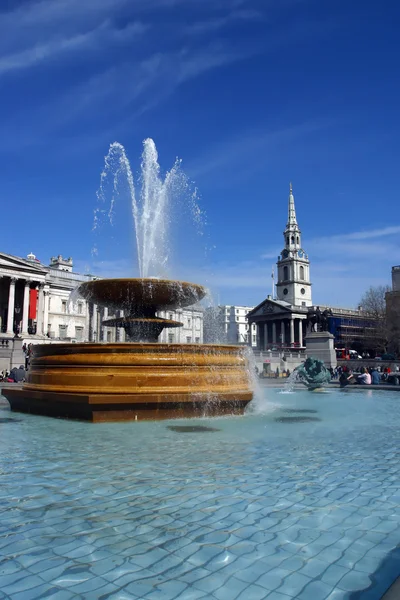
pixel 217 23
pixel 105 35
pixel 251 146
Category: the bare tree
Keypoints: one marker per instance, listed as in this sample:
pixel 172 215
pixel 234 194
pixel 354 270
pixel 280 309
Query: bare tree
pixel 373 304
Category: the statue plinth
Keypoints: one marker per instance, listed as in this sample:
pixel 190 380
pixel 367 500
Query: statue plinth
pixel 321 345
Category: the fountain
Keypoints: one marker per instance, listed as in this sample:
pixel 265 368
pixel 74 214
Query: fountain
pixel 313 374
pixel 140 379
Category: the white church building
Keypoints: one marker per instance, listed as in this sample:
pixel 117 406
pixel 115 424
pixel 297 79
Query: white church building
pixel 281 321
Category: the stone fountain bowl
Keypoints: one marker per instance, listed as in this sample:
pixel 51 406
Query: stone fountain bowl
pixel 157 294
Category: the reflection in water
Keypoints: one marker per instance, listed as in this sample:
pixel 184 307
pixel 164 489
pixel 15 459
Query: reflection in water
pixel 191 428
pixel 296 419
pixel 299 410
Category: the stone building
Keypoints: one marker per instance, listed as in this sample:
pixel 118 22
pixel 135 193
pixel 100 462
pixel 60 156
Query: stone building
pixel 228 324
pixel 282 321
pixel 37 303
pixel 393 312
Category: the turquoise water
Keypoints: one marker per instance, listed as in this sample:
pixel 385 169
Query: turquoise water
pixel 299 500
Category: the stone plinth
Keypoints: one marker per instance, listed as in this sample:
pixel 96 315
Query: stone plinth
pixel 321 345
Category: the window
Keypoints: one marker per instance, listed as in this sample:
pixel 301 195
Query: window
pixel 62 332
pixel 303 303
pixel 285 291
pixel 303 291
pixel 287 240
pixel 302 274
pixel 189 322
pixel 171 317
pixel 285 273
pixel 80 308
pixel 189 339
pixel 64 306
pixel 298 240
pixel 254 339
pixel 170 338
pixel 237 312
pixel 197 340
pixel 237 318
pixel 79 334
pixel 292 239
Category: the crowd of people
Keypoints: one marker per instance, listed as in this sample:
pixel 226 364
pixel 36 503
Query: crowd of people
pixel 16 375
pixel 366 376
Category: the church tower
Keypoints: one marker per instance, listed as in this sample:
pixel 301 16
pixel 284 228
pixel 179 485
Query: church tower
pixel 293 284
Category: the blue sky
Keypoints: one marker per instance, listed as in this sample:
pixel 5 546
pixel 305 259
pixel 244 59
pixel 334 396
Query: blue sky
pixel 251 94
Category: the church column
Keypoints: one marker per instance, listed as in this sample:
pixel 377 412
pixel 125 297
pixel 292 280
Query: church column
pixel 282 332
pixel 25 308
pixel 39 328
pixel 273 332
pixel 11 306
pixel 46 298
pixel 265 336
pixel 300 332
pixel 291 331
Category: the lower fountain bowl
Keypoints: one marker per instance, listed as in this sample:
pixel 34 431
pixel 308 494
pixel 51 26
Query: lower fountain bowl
pixel 117 382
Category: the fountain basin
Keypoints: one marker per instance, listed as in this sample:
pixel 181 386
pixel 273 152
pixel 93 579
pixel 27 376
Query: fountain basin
pixel 112 382
pixel 141 295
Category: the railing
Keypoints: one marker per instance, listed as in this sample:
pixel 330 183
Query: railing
pixel 5 343
pixel 289 353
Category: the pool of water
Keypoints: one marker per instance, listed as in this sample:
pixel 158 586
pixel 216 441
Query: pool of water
pixel 297 499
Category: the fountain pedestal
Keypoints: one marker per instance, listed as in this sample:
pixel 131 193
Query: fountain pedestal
pixel 320 344
pixel 140 379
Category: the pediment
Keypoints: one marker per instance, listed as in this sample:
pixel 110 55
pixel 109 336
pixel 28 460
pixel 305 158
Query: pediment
pixel 270 307
pixel 15 263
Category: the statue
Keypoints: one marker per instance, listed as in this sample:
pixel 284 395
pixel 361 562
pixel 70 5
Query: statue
pixel 318 320
pixel 313 373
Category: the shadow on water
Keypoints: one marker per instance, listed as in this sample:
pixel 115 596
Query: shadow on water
pixel 9 420
pixel 299 410
pixel 296 419
pixel 382 579
pixel 191 428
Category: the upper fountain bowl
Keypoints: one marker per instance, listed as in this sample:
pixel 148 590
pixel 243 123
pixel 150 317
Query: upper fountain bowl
pixel 140 295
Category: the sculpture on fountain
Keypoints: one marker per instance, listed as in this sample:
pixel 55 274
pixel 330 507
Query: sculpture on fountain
pixel 313 373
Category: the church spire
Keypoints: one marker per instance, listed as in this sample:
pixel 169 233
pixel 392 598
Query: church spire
pixel 292 211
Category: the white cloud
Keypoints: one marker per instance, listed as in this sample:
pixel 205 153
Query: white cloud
pixel 103 36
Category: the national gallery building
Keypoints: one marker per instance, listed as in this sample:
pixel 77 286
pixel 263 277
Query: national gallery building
pixel 283 321
pixel 35 304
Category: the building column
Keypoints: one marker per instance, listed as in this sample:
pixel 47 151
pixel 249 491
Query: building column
pixel 11 306
pixel 273 332
pixel 282 332
pixel 93 319
pixel 300 332
pixel 265 336
pixel 25 308
pixel 39 327
pixel 291 331
pixel 46 298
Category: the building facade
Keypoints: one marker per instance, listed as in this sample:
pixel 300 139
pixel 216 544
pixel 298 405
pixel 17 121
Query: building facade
pixel 228 324
pixel 283 320
pixel 38 303
pixel 393 312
